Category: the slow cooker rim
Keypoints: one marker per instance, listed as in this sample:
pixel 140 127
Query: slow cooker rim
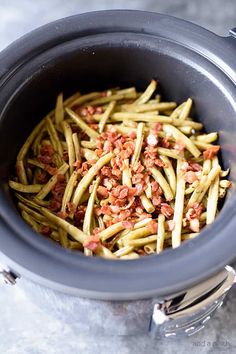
pixel 141 293
pixel 182 31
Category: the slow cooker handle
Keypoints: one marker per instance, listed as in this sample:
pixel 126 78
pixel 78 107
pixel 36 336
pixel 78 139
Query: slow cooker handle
pixel 187 313
pixel 232 32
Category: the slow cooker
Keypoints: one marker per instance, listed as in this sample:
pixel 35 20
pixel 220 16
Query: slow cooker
pixel 174 293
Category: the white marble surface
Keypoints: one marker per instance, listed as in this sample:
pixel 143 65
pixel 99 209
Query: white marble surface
pixel 24 328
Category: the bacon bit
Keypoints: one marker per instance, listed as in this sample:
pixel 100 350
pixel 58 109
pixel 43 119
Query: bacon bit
pixel 128 224
pixel 45 159
pixel 156 127
pixel 194 166
pixel 166 142
pixel 104 94
pixel 211 152
pixel 194 225
pixel 124 214
pixel 139 188
pixel 179 146
pixel 91 110
pixel 152 140
pixel 138 167
pixel 46 150
pixel 77 164
pixel 107 146
pixel 110 183
pixel 120 192
pixel 132 135
pixel 62 214
pixel 42 177
pixel 102 192
pixel 79 214
pixel 92 242
pixel 131 202
pixel 117 172
pixel 94 126
pixel 99 152
pixel 141 252
pixel 99 110
pixel 166 210
pixel 60 177
pixel 115 209
pixel 105 209
pixel 139 210
pixel 190 177
pixel 45 230
pixel 156 200
pixel 152 225
pixel 51 170
pixel 171 225
pixel 54 205
pixel 194 212
pixel 106 171
pixel 58 191
pixel 71 207
pixel 82 111
pixel 155 186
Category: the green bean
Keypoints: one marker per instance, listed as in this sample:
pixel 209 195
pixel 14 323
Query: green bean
pixel 106 115
pixel 51 183
pixel 23 188
pixel 70 146
pixel 83 126
pixel 87 179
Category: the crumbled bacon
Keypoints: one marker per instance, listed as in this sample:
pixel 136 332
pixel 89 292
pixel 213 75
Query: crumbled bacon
pixel 92 242
pixel 60 177
pixel 45 159
pixel 46 150
pixel 165 142
pixel 179 146
pixel 99 110
pixel 211 152
pixel 45 230
pixel 120 192
pixel 166 210
pixel 132 135
pixel 51 169
pixel 195 166
pixel 191 166
pixel 138 167
pixel 79 214
pixel 54 205
pixel 156 200
pixel 102 192
pixel 153 226
pixel 91 110
pixel 62 214
pixel 190 177
pixel 71 207
pixel 195 211
pixel 42 177
pixel 128 224
pixel 58 190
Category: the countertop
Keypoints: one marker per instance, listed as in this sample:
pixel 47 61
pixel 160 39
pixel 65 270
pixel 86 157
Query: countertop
pixel 25 329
